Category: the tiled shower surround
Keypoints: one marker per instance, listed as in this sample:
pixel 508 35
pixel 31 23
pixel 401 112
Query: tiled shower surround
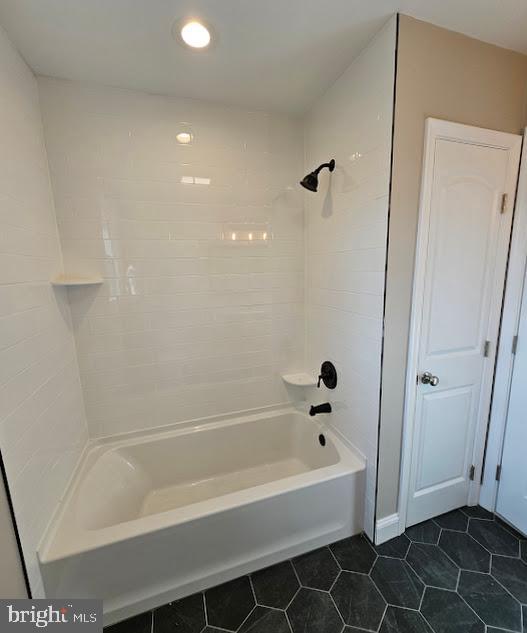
pixel 346 232
pixel 463 572
pixel 201 246
pixel 220 272
pixel 42 421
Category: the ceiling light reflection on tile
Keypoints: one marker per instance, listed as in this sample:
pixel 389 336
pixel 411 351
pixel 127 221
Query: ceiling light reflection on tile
pixel 184 138
pixel 246 233
pixel 195 180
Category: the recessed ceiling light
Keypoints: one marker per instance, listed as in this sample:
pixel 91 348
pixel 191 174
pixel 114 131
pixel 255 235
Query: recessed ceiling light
pixel 195 34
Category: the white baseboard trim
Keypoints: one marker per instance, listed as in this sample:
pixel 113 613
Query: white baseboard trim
pixel 387 529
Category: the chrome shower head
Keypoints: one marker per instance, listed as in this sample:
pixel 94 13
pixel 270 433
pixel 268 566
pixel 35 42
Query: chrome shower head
pixel 310 182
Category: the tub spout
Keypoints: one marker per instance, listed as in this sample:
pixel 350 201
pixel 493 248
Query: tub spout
pixel 320 408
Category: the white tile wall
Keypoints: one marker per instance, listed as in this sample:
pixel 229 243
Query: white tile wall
pixel 346 243
pixel 189 322
pixel 42 423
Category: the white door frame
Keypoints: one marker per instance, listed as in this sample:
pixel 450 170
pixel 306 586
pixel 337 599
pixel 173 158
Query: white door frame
pixel 509 329
pixel 437 129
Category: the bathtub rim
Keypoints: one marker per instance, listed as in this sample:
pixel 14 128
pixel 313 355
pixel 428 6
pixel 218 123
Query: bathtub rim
pixel 49 551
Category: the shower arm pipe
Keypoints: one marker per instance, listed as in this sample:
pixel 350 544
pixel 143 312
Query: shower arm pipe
pixel 330 165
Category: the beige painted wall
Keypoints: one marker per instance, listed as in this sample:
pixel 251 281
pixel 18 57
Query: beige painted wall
pixel 11 576
pixel 449 76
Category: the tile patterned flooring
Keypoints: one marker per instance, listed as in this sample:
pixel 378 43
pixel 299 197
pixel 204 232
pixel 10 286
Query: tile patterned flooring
pixel 463 572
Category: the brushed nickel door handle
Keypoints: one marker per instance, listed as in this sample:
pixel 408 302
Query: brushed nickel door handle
pixel 429 379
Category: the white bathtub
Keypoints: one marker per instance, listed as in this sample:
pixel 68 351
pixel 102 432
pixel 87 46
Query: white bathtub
pixel 153 517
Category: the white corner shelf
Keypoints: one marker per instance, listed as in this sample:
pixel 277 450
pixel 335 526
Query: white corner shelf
pixel 300 380
pixel 72 280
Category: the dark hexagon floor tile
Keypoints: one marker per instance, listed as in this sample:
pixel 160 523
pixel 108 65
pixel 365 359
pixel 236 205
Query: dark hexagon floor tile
pixel 491 629
pixel 465 551
pixel 454 520
pixel 229 604
pixel 509 528
pixel 490 601
pixel 477 512
pixel 185 616
pixel 354 554
pixel 264 620
pixel 524 613
pixel 433 566
pixel 211 629
pixel 138 624
pixel 399 620
pixel 358 600
pixel 494 537
pixel 397 582
pixel 512 573
pixel 446 612
pixel 317 570
pixel 395 547
pixel 426 532
pixel 313 611
pixel 276 585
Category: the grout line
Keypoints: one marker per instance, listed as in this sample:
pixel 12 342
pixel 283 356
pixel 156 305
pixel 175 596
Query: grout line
pixel 295 571
pixel 344 623
pixel 383 616
pixel 422 599
pixel 499 583
pixel 266 606
pixel 474 612
pixel 291 601
pixel 484 547
pixel 427 584
pixel 288 622
pixel 335 581
pixel 205 610
pixel 247 617
pixel 334 557
pixel 427 622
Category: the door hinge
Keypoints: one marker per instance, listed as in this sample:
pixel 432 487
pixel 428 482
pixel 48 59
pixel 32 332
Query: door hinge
pixel 486 349
pixel 504 202
pixel 498 472
pixel 472 472
pixel 514 344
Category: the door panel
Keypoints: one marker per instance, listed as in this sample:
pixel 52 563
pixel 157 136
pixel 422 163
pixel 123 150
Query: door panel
pixel 463 258
pixel 512 492
pixel 453 330
pixel 442 436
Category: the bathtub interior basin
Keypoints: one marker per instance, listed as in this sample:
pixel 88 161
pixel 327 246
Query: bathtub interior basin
pixel 169 472
pixel 152 517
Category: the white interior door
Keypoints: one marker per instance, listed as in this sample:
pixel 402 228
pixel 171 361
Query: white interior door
pixel 464 232
pixel 512 491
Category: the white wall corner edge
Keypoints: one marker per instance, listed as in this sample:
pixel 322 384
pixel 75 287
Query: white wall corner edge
pixel 386 529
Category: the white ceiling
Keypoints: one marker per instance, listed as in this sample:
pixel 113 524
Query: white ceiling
pixel 269 54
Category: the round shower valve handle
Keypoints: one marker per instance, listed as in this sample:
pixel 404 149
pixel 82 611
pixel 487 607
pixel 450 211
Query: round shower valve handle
pixel 328 375
pixel 429 379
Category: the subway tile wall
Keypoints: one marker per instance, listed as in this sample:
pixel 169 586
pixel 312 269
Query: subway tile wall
pixel 346 243
pixel 42 422
pixel 200 244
